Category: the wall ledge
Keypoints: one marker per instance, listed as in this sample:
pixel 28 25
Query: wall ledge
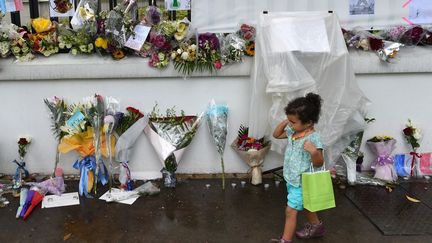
pixel 66 66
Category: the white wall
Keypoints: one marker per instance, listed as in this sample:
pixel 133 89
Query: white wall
pixel 395 96
pixel 23 112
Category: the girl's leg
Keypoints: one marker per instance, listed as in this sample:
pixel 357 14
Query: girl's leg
pixel 290 223
pixel 312 217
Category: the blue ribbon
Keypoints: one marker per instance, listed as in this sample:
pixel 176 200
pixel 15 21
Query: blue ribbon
pixel 102 177
pixel 129 185
pixel 85 165
pixel 21 166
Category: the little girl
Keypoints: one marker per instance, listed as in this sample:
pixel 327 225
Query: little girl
pixel 304 147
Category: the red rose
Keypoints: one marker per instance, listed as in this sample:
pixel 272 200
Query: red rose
pixel 408 131
pixel 375 44
pixel 134 111
pixel 22 141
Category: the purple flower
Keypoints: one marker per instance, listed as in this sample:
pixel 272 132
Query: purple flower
pixel 153 15
pixel 209 38
pixel 118 117
pixel 158 41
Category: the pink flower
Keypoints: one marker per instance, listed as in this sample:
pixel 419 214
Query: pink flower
pixel 217 64
pixel 248 35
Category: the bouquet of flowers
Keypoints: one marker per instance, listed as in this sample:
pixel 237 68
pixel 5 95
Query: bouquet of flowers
pixel 232 49
pixel 44 41
pixel 412 135
pixel 350 163
pixel 21 172
pixel 408 35
pixel 80 41
pixel 361 39
pixel 19 44
pixel 177 30
pixel 252 151
pixel 62 6
pixel 4 43
pixel 217 119
pixel 129 127
pixel 159 60
pixel 170 135
pixel 119 25
pixel 161 45
pixel 427 38
pixel 153 15
pixel 58 113
pixel 184 57
pixel 383 164
pixel 208 57
pixel 83 134
pixel 247 33
pixel 85 15
pixel 29 199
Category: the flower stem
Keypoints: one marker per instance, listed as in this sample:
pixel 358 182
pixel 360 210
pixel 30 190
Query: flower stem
pixel 57 159
pixel 223 173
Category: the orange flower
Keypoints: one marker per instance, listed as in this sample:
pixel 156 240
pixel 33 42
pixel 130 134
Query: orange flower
pixel 250 49
pixel 118 54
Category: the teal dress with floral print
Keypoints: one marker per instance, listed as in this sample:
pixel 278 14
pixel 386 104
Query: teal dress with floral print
pixel 296 159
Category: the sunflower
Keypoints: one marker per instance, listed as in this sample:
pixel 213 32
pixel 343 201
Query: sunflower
pixel 250 49
pixel 118 54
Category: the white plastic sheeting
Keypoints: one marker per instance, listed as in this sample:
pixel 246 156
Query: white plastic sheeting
pixel 225 15
pixel 302 60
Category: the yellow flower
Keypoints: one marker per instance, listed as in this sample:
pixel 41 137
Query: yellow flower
pixel 101 43
pixel 250 49
pixel 41 24
pixel 118 54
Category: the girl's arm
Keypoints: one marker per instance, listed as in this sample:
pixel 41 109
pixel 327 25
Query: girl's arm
pixel 316 154
pixel 279 132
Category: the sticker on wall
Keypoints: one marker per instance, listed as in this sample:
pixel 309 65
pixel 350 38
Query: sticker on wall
pixel 420 11
pixel 178 4
pixel 10 5
pixel 361 7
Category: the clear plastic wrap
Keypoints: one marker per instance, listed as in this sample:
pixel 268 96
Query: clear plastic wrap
pixel 217 121
pixel 170 136
pixel 320 64
pixel 85 13
pixel 4 41
pixel 407 35
pixel 232 48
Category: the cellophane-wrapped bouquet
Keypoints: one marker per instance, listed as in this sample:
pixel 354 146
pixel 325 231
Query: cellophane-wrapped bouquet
pixel 217 121
pixel 252 151
pixel 170 134
pixel 382 147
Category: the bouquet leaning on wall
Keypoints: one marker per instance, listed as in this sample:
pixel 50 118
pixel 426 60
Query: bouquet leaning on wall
pixel 170 134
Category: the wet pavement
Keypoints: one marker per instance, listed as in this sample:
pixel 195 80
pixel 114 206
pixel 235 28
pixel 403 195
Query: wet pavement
pixel 189 213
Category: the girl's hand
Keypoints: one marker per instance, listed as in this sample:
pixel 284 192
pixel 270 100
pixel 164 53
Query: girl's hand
pixel 316 154
pixel 308 146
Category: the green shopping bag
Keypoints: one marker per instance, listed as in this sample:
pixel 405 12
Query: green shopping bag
pixel 317 190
